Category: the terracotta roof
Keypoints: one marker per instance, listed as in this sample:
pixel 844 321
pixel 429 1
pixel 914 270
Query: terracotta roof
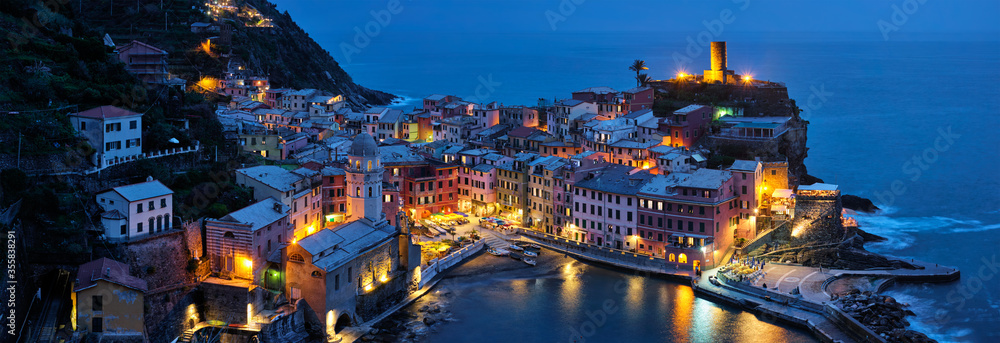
pixel 104 112
pixel 108 270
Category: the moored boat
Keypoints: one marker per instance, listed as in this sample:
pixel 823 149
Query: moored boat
pixel 529 261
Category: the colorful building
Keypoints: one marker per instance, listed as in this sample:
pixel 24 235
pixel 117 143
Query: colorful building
pixel 108 300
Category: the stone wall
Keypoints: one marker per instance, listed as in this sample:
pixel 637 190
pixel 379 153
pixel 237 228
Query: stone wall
pixel 382 298
pixel 160 259
pixel 226 303
pixel 169 313
pixel 819 219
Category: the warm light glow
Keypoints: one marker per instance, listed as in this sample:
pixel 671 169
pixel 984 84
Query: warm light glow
pixel 798 230
pixel 294 240
pixel 248 263
pixel 208 83
pixel 383 279
pixel 310 230
pixel 368 287
pixel 747 78
pixel 755 211
pixel 681 75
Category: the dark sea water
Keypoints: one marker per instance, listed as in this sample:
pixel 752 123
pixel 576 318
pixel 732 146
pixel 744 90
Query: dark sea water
pixel 873 107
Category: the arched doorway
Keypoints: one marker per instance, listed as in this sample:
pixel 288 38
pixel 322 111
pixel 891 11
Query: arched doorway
pixel 342 322
pixel 696 264
pixel 673 258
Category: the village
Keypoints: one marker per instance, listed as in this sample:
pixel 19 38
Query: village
pixel 357 211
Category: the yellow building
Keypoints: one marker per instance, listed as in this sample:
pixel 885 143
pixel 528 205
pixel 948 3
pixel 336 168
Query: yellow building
pixel 108 300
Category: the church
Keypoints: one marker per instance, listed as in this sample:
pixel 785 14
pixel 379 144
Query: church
pixel 350 273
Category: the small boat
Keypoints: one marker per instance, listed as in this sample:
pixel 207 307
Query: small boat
pixel 528 261
pixel 534 246
pixel 515 248
pixel 530 253
pixel 497 252
pixel 514 255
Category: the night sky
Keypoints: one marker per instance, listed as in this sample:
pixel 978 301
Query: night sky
pixel 973 18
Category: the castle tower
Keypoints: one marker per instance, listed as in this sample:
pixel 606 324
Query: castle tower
pixel 719 56
pixel 718 71
pixel 364 180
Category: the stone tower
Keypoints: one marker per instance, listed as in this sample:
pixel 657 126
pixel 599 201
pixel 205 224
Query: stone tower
pixel 364 180
pixel 720 68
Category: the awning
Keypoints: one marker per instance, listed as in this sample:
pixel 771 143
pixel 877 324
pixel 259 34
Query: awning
pixel 698 158
pixel 462 214
pixel 778 208
pixel 782 193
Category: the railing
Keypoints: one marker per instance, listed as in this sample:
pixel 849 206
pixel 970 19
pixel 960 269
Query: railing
pixel 167 152
pixel 785 299
pixel 624 258
pixel 430 271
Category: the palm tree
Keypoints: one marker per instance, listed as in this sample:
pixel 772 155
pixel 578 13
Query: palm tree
pixel 643 79
pixel 638 66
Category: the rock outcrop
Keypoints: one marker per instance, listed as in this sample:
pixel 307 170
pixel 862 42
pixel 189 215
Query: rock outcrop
pixel 858 203
pixel 880 313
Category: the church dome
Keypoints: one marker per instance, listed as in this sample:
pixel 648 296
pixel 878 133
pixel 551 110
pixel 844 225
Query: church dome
pixel 363 146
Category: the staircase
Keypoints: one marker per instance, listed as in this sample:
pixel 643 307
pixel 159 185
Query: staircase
pixel 495 240
pixel 187 336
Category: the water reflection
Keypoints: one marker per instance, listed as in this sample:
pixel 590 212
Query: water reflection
pixel 591 303
pixel 683 300
pixel 569 294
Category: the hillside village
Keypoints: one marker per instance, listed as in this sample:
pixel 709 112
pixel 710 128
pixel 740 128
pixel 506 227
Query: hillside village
pixel 311 212
pixel 347 192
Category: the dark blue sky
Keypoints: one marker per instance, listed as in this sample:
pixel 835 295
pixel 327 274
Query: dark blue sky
pixel 791 16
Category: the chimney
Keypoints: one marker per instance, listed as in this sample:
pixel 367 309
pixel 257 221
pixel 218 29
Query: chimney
pixel 149 178
pixel 107 272
pixel 277 207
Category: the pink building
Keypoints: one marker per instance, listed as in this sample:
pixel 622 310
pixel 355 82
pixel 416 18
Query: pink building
pixel 639 98
pixel 605 204
pixel 748 176
pixel 477 189
pixel 685 126
pixel 682 213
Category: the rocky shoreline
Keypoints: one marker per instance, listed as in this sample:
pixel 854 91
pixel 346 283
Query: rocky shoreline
pixel 880 313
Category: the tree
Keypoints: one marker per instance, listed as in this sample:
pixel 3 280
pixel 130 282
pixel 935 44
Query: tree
pixel 643 79
pixel 638 66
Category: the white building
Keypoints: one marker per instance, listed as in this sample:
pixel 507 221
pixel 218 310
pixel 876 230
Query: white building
pixel 136 210
pixel 115 133
pixel 563 113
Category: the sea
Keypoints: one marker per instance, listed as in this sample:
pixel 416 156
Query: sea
pixel 912 124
